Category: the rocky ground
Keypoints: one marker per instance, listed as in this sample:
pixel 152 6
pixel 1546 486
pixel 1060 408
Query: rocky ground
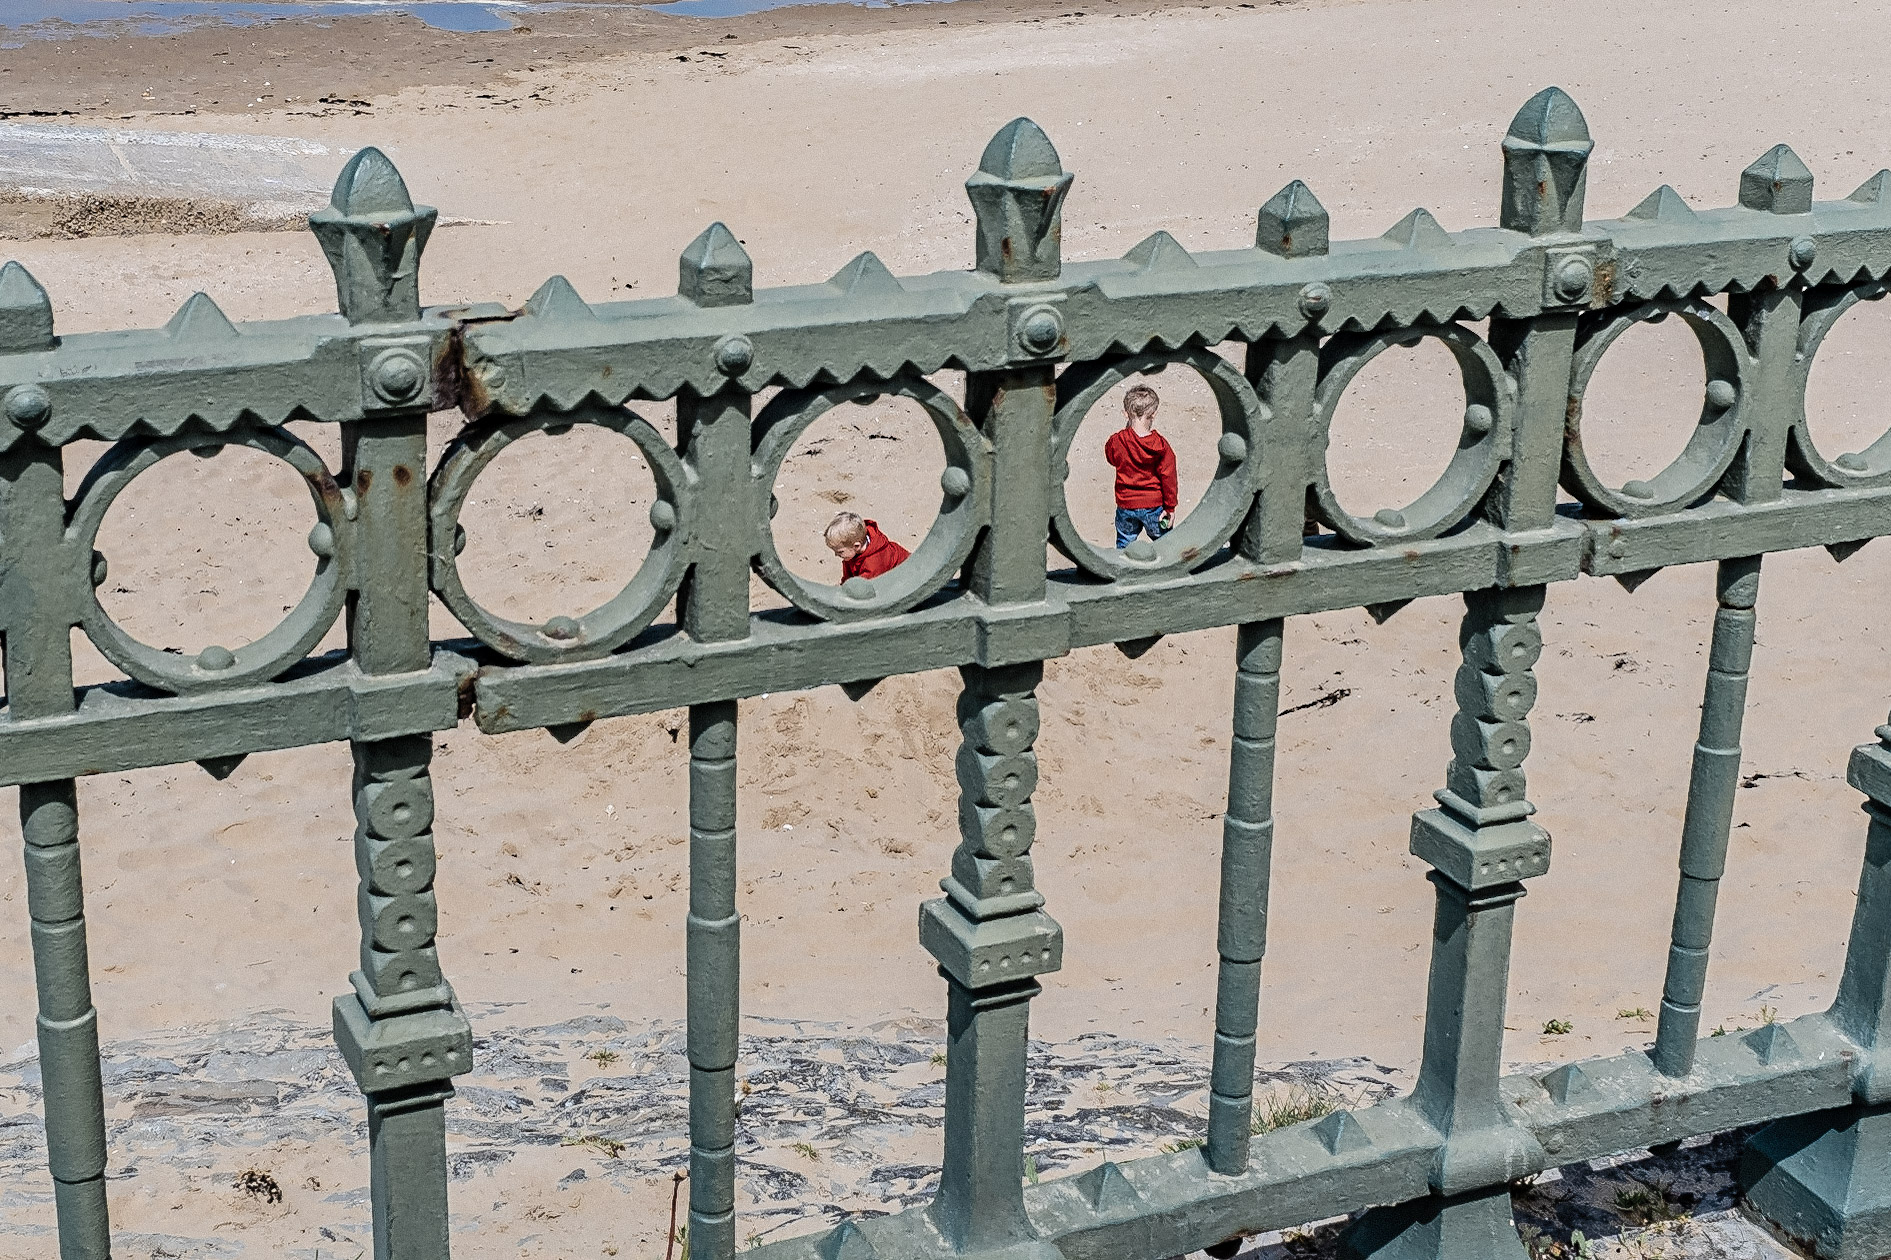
pixel 580 1127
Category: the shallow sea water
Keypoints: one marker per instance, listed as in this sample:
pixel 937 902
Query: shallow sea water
pixel 21 20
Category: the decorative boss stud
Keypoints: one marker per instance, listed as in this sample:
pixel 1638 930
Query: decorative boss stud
pixel 1574 275
pixel 397 375
pixel 734 355
pixel 28 406
pixel 1040 329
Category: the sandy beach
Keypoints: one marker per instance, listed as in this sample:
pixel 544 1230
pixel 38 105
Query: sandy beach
pixel 596 146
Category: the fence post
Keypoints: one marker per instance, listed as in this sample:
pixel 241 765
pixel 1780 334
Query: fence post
pixel 1481 846
pixel 39 605
pixel 1247 848
pixel 400 1029
pixel 1018 195
pixel 1546 155
pixel 1709 817
pixel 714 605
pixel 1825 1179
pixel 991 939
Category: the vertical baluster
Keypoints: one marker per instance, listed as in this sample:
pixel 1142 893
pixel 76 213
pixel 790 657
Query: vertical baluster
pixel 68 1023
pixel 41 606
pixel 1481 845
pixel 1247 850
pixel 715 957
pixel 991 939
pixel 1709 815
pixel 401 1029
pixel 1821 1177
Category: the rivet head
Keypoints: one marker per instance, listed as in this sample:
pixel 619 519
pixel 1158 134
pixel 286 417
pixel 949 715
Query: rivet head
pixel 1040 330
pixel 1638 490
pixel 397 376
pixel 956 482
pixel 1315 300
pixel 1721 394
pixel 1478 419
pixel 1618 547
pixel 663 516
pixel 1142 551
pixel 459 539
pixel 735 354
pixel 1573 278
pixel 1851 461
pixel 28 406
pixel 1801 252
pixel 322 540
pixel 1232 447
pixel 561 629
pixel 857 588
pixel 215 659
pixel 1391 518
pixel 99 568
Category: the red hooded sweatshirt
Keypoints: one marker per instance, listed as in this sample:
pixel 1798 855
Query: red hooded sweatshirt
pixel 880 554
pixel 1145 469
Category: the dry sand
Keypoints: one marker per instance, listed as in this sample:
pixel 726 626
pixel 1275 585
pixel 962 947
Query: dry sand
pixel 561 884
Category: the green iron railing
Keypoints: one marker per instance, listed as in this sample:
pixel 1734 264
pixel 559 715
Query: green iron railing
pixel 1430 1172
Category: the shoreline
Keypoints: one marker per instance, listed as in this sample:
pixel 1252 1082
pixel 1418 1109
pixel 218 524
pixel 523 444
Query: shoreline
pixel 286 64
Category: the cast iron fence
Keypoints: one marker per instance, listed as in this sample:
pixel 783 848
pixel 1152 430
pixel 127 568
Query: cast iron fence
pixel 1269 540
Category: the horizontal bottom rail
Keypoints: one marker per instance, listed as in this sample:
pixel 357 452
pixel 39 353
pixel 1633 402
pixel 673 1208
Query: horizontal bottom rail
pixel 1171 1204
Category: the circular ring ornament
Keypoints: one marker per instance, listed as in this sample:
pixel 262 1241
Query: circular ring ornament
pixel 964 505
pixel 1710 449
pixel 1852 469
pixel 1197 537
pixel 216 667
pixel 1483 441
pixel 611 624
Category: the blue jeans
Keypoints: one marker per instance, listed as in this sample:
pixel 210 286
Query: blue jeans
pixel 1132 521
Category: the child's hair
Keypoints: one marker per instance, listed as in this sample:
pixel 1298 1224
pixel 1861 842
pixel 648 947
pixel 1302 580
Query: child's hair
pixel 1141 402
pixel 846 529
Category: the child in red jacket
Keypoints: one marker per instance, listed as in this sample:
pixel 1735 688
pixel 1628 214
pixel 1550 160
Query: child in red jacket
pixel 1145 470
pixel 863 551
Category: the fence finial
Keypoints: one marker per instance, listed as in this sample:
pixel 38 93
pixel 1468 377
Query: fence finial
pixel 715 270
pixel 1778 182
pixel 1293 223
pixel 1546 154
pixel 373 234
pixel 1018 195
pixel 26 313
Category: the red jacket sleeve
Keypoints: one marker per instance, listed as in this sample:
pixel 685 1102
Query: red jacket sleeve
pixel 1113 449
pixel 1165 473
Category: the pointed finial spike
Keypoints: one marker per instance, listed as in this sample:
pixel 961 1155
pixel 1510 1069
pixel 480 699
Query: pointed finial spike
pixel 200 319
pixel 1873 190
pixel 715 270
pixel 1018 195
pixel 1021 150
pixel 1418 230
pixel 1778 183
pixel 556 299
pixel 1546 158
pixel 373 235
pixel 865 274
pixel 369 185
pixel 1106 1187
pixel 1341 1132
pixel 1293 223
pixel 26 313
pixel 1663 205
pixel 1161 252
pixel 1550 117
